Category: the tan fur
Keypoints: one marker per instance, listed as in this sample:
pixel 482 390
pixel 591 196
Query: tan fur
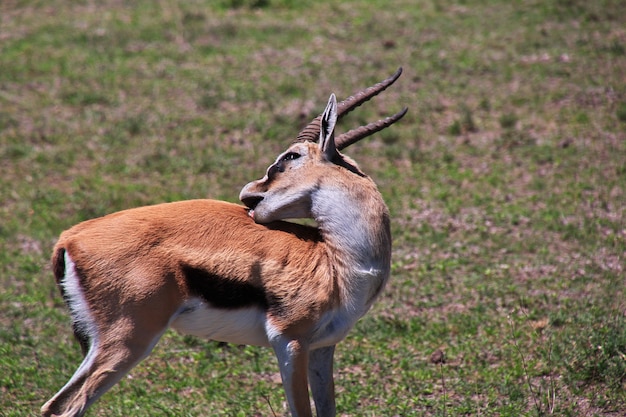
pixel 212 235
pixel 130 268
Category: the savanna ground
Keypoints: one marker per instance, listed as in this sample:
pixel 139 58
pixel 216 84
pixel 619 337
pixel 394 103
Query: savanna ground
pixel 506 183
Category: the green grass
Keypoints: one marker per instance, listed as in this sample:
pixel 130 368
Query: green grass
pixel 506 183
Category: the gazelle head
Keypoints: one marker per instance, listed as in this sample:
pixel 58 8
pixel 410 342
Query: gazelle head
pixel 291 183
pixel 288 186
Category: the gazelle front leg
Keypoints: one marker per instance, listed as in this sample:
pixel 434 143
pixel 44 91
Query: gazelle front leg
pixel 293 360
pixel 321 380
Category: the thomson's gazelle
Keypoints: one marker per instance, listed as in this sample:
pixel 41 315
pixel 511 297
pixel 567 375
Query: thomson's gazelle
pixel 232 273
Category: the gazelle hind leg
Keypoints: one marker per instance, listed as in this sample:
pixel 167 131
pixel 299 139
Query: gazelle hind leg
pixel 112 347
pixel 104 365
pixel 54 406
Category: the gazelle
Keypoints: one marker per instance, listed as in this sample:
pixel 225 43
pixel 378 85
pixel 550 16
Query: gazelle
pixel 235 273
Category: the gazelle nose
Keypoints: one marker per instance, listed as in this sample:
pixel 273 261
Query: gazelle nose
pixel 251 201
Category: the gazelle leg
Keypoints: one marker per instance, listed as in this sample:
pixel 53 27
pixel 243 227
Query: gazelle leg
pixel 321 380
pixel 293 363
pixel 107 361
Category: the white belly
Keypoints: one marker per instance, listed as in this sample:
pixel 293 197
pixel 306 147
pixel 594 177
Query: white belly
pixel 245 326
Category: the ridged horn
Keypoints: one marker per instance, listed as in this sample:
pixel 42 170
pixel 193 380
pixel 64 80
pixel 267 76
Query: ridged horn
pixel 346 139
pixel 312 130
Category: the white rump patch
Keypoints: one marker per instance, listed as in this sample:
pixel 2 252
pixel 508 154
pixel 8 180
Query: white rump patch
pixel 81 315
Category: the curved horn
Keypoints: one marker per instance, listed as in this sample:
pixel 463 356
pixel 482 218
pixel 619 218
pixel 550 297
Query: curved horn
pixel 312 130
pixel 346 139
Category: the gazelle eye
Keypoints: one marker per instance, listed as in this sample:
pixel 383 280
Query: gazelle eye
pixel 290 156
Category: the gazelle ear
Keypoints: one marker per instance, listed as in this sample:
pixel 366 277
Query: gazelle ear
pixel 327 131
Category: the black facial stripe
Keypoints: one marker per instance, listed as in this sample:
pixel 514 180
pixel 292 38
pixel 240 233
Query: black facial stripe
pixel 274 169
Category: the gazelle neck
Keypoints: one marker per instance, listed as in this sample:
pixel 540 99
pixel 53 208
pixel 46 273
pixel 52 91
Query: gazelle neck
pixel 354 223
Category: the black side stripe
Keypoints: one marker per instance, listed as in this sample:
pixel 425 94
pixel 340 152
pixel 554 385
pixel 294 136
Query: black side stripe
pixel 221 292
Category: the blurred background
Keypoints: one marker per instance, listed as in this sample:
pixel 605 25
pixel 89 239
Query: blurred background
pixel 506 184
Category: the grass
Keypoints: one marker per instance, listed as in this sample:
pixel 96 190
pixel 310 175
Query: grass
pixel 506 184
